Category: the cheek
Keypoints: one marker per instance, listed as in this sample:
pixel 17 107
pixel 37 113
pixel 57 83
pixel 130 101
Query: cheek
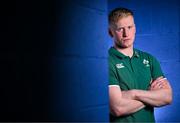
pixel 132 34
pixel 118 35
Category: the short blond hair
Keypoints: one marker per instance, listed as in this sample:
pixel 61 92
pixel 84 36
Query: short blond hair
pixel 117 14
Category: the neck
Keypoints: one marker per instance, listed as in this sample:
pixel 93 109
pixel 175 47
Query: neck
pixel 126 51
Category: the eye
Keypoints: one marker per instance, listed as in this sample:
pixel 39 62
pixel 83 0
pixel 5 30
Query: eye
pixel 119 29
pixel 129 27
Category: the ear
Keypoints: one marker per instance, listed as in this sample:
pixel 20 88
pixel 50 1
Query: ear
pixel 110 32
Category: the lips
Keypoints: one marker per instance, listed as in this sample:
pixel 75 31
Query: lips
pixel 126 39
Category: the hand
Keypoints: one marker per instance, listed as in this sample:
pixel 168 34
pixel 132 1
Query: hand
pixel 159 83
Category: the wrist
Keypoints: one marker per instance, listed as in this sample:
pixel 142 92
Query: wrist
pixel 134 94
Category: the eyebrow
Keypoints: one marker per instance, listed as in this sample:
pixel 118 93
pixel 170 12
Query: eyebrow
pixel 125 26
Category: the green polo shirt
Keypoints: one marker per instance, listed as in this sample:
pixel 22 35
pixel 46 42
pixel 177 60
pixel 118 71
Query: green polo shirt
pixel 133 73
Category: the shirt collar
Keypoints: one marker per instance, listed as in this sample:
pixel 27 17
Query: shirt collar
pixel 113 51
pixel 136 53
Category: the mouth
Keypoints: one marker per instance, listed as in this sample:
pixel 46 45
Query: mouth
pixel 126 39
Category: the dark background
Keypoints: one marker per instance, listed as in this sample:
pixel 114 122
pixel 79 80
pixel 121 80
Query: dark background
pixel 27 39
pixel 50 70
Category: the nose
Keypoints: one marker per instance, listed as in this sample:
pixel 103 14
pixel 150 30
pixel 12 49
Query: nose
pixel 125 32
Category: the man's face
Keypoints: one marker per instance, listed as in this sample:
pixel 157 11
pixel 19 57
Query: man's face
pixel 123 32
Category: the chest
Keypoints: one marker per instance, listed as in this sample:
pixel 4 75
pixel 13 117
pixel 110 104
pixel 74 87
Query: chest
pixel 133 73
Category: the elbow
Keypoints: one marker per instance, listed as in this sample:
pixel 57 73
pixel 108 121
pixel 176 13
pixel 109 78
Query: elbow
pixel 118 112
pixel 169 100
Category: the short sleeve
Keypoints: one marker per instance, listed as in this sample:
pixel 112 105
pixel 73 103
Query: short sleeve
pixel 112 75
pixel 156 70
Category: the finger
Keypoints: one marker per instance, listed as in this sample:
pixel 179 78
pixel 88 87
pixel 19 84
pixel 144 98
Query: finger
pixel 165 85
pixel 158 85
pixel 155 84
pixel 163 80
pixel 157 81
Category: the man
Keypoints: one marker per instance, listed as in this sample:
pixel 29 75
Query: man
pixel 136 81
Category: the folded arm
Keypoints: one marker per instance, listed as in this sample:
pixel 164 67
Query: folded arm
pixel 159 94
pixel 120 105
pixel 127 102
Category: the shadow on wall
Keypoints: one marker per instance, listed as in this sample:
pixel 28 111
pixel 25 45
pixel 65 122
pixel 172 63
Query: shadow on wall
pixel 48 74
pixel 26 45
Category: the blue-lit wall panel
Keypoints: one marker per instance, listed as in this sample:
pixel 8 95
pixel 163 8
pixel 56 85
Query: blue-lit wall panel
pixel 80 62
pixel 157 23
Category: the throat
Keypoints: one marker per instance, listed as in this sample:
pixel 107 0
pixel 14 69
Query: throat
pixel 125 51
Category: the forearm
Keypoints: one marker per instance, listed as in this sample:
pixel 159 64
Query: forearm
pixel 126 106
pixel 121 103
pixel 154 97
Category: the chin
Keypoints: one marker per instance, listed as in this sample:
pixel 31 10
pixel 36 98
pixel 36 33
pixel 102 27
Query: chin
pixel 127 45
pixel 124 45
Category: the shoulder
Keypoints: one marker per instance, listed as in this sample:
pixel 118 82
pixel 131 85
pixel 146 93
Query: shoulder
pixel 147 56
pixel 112 58
pixel 144 54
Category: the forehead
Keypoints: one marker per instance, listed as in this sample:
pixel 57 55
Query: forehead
pixel 125 21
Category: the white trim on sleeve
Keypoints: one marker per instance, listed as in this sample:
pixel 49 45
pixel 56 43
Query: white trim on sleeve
pixel 114 86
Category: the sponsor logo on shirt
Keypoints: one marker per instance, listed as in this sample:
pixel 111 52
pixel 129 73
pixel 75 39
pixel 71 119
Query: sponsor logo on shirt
pixel 146 63
pixel 120 65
